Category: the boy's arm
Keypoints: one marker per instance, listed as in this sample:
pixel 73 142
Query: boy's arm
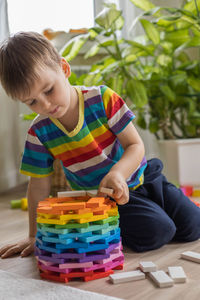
pixel 38 189
pixel 129 162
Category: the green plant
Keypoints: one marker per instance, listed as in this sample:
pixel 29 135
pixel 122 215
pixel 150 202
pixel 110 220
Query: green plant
pixel 155 71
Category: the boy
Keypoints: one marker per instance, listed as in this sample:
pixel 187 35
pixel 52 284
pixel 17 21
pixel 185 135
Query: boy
pixel 90 131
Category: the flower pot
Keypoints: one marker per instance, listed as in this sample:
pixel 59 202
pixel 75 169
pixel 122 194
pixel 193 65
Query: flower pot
pixel 181 159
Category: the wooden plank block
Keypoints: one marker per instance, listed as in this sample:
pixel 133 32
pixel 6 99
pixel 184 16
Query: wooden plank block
pixel 106 191
pixel 71 194
pixel 147 266
pixel 76 265
pixel 177 274
pixel 51 221
pixel 69 206
pixel 192 256
pixel 127 276
pixel 76 216
pixel 92 193
pixel 161 279
pixel 95 202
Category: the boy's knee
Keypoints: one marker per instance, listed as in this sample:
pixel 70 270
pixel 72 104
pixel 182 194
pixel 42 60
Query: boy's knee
pixel 189 231
pixel 154 235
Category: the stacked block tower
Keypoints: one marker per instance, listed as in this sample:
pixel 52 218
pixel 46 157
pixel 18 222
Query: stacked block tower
pixel 78 237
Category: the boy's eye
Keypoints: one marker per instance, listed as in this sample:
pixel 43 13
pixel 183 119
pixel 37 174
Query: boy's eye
pixel 33 102
pixel 49 91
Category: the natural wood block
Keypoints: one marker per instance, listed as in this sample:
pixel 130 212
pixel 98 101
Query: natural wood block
pixel 177 274
pixel 127 276
pixel 161 279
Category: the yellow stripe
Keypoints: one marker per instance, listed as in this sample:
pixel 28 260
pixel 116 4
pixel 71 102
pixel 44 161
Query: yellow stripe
pixel 106 97
pixel 141 179
pixel 35 175
pixel 78 144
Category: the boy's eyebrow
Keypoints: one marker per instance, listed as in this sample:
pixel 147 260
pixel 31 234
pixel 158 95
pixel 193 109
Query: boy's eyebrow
pixel 43 88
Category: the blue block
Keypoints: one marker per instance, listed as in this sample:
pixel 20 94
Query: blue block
pixel 72 245
pixel 56 240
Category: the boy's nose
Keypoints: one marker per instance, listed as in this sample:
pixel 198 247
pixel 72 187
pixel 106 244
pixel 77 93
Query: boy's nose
pixel 46 105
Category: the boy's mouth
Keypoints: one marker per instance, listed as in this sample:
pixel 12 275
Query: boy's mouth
pixel 54 111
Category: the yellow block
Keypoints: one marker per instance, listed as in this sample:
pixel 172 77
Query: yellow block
pixel 76 216
pixel 196 193
pixel 24 203
pixel 113 211
pixel 51 221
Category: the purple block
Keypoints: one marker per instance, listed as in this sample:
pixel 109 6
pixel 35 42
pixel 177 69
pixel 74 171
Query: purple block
pixel 94 257
pixel 52 259
pixel 69 255
pixel 110 248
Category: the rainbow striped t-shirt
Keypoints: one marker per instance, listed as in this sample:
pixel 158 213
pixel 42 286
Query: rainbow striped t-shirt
pixel 89 151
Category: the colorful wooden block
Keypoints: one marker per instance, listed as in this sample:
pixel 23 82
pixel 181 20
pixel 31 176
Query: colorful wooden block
pixel 78 237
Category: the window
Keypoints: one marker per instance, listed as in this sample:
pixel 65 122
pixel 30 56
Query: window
pixel 37 15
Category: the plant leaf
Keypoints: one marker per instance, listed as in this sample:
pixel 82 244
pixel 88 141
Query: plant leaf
pixel 108 16
pixel 143 4
pixel 72 48
pixel 137 93
pixel 167 92
pixel 151 31
pixel 92 52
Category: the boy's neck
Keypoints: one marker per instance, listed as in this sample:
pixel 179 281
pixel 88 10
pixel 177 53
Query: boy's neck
pixel 70 119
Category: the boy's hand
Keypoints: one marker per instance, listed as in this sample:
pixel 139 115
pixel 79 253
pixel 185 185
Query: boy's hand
pixel 114 180
pixel 24 247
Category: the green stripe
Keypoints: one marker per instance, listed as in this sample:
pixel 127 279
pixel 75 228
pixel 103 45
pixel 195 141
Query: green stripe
pixel 103 89
pixel 36 170
pixel 80 136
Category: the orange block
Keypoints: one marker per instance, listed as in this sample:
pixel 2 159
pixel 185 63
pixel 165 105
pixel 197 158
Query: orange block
pixel 95 202
pixel 69 206
pixel 61 199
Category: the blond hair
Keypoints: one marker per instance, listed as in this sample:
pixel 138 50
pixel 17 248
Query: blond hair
pixel 19 56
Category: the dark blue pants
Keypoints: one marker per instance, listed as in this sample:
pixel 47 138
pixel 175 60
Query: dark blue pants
pixel 158 213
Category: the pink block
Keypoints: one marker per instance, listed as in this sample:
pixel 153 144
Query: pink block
pixel 187 190
pixel 110 259
pixel 106 266
pixel 76 265
pixel 54 269
pixel 46 263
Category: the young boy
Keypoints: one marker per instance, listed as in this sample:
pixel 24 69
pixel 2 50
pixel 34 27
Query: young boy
pixel 90 131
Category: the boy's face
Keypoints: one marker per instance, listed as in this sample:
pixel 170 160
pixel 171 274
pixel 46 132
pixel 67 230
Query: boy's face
pixel 50 95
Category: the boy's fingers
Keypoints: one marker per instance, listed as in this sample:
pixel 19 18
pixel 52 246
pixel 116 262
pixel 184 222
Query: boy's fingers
pixel 11 251
pixel 27 251
pixel 5 248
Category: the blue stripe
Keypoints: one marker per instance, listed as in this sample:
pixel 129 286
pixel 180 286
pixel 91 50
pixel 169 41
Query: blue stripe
pixel 37 163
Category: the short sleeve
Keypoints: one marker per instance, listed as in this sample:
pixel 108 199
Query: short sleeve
pixel 37 161
pixel 117 112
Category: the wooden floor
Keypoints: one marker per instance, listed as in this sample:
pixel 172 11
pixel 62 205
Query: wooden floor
pixel 14 226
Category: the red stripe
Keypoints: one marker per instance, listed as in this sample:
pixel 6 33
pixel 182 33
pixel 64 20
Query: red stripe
pixel 73 153
pixel 90 154
pixel 31 132
pixel 114 105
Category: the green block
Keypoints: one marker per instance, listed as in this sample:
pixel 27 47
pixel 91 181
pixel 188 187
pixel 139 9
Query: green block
pixel 15 203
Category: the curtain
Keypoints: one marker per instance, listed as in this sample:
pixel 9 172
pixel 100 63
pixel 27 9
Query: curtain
pixel 9 119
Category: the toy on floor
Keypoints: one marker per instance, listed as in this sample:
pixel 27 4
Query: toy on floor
pixel 19 203
pixel 147 269
pixel 78 237
pixel 193 192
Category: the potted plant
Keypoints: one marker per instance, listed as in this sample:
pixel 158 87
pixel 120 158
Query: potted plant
pixel 154 73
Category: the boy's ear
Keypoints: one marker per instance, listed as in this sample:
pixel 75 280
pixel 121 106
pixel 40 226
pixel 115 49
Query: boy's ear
pixel 65 67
